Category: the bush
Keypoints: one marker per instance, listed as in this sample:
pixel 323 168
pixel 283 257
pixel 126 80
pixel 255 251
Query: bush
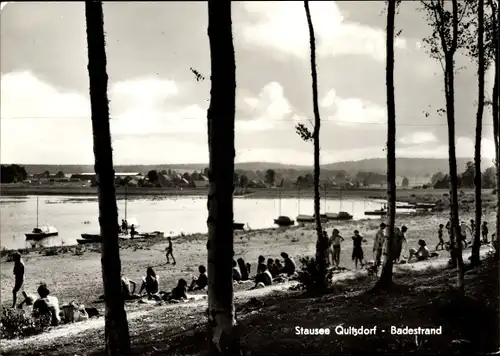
pixel 16 323
pixel 310 277
pixel 51 251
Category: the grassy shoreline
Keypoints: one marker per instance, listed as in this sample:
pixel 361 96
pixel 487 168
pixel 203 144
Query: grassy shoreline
pixel 255 193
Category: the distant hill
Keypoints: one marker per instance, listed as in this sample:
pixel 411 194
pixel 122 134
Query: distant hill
pixel 411 167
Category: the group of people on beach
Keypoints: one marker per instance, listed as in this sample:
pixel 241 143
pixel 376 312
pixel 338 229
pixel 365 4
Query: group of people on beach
pixel 464 231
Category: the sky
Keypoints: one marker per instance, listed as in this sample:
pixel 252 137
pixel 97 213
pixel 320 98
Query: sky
pixel 158 109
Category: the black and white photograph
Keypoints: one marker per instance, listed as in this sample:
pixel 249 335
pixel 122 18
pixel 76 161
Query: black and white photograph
pixel 249 178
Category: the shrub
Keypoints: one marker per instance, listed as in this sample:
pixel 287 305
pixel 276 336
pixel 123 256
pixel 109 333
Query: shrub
pixel 16 323
pixel 309 275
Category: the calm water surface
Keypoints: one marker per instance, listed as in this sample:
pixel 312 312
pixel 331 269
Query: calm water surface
pixel 173 216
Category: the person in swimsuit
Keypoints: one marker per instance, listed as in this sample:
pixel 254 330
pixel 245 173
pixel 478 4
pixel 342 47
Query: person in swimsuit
pixel 18 275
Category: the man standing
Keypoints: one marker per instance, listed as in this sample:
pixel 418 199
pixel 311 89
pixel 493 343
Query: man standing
pixel 378 244
pixel 18 275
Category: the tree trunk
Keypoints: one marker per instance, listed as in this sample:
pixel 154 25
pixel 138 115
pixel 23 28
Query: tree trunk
pixel 475 258
pixel 496 105
pixel 450 115
pixel 116 327
pixel 220 120
pixel 386 275
pixel 321 251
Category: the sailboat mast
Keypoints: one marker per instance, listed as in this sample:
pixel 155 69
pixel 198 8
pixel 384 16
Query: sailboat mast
pixel 126 191
pixel 37 211
pixel 298 200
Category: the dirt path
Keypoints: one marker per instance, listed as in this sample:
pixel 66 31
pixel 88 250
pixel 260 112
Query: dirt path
pixel 198 301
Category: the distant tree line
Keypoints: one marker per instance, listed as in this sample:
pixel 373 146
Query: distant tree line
pixel 466 179
pixel 12 173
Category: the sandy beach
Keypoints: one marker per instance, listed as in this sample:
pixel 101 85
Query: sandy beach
pixel 73 275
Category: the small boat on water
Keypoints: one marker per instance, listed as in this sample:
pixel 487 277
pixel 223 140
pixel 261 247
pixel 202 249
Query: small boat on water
pixel 41 232
pixel 89 240
pixel 377 212
pixel 284 221
pixel 341 215
pixel 238 226
pixel 302 218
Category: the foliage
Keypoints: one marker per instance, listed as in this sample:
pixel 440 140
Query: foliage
pixel 270 176
pixel 153 176
pixel 310 277
pixel 304 133
pixel 12 173
pixel 16 323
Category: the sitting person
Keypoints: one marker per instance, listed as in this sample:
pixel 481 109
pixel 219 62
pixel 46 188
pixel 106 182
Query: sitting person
pixel 278 266
pixel 150 284
pixel 289 267
pixel 263 278
pixel 74 313
pixel 177 294
pixel 201 282
pixel 46 305
pixel 272 268
pixel 422 253
pixel 236 272
pixel 249 268
pixel 243 269
pixel 127 292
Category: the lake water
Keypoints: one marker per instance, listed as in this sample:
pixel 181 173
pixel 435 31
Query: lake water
pixel 172 215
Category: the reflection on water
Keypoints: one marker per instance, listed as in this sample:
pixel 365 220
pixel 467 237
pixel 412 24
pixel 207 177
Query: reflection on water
pixel 172 215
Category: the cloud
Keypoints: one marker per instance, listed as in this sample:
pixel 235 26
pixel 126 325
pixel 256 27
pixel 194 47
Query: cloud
pixel 418 137
pixel 351 111
pixel 283 26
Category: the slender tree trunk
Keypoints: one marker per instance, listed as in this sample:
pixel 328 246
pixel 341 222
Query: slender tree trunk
pixel 450 114
pixel 475 259
pixel 495 10
pixel 221 316
pixel 116 327
pixel 386 275
pixel 321 251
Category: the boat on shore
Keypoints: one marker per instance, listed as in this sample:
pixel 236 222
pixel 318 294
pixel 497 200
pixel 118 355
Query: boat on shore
pixel 302 219
pixel 238 226
pixel 341 215
pixel 41 232
pixel 282 221
pixel 93 238
pixel 377 212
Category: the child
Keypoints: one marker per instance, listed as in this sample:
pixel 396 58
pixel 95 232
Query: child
pixel 18 275
pixel 484 231
pixel 335 240
pixel 201 282
pixel 170 250
pixel 357 250
pixel 422 253
pixel 440 237
pixel 177 294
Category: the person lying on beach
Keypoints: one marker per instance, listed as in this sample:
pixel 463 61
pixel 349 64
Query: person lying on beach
pixel 201 282
pixel 263 277
pixel 236 272
pixel 421 254
pixel 170 250
pixel 18 275
pixel 150 284
pixel 178 294
pixel 47 305
pixel 289 264
pixel 243 269
pixel 73 313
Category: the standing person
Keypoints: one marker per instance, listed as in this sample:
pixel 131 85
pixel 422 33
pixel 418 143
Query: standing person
pixel 18 275
pixel 324 245
pixel 170 250
pixel 357 249
pixel 243 269
pixel 440 237
pixel 401 239
pixel 124 226
pixel 378 244
pixel 463 231
pixel 484 232
pixel 236 272
pixel 472 227
pixel 132 231
pixel 335 241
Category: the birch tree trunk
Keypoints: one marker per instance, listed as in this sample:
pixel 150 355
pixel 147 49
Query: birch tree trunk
pixel 386 275
pixel 221 113
pixel 117 340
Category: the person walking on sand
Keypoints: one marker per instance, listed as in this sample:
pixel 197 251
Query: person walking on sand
pixel 18 275
pixel 170 251
pixel 357 249
pixel 378 244
pixel 335 241
pixel 440 237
